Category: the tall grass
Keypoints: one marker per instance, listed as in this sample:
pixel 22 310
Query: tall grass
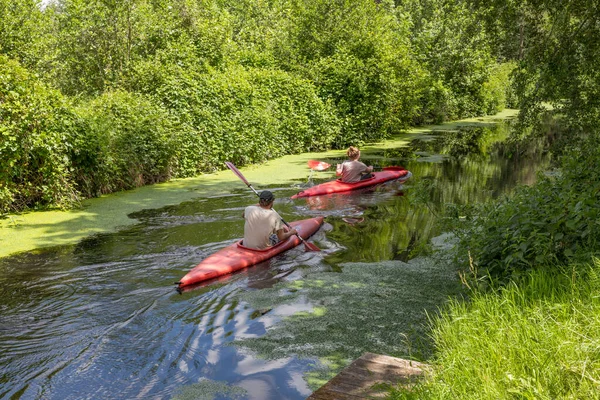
pixel 535 339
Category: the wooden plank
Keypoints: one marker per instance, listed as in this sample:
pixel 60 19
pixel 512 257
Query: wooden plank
pixel 357 380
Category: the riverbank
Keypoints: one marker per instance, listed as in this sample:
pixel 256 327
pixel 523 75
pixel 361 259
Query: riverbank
pixel 531 326
pixel 536 338
pixel 39 229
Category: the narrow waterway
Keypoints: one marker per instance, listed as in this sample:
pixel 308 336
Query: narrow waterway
pixel 102 319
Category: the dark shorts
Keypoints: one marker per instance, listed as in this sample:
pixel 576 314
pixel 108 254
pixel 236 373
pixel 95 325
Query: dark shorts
pixel 273 239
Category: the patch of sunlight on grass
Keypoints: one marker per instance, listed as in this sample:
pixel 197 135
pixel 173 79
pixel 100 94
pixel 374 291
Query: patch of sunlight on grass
pixel 375 307
pixel 208 390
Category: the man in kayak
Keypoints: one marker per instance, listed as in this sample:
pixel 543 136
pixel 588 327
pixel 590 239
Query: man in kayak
pixel 263 226
pixel 353 170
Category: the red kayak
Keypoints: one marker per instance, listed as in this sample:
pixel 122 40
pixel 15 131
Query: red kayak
pixel 388 174
pixel 235 257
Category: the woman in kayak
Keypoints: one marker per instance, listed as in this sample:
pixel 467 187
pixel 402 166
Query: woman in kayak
pixel 353 170
pixel 263 226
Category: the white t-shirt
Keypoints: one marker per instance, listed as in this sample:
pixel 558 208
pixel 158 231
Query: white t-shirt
pixel 260 224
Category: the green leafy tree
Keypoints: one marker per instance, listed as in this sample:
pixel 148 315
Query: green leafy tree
pixel 94 41
pixel 358 55
pixel 23 29
pixel 454 48
pixel 556 46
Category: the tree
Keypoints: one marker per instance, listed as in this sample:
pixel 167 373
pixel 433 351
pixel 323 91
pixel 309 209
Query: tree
pixel 22 31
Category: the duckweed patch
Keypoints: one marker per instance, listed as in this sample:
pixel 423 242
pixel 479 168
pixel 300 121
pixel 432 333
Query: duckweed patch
pixel 209 390
pixel 39 229
pixel 376 307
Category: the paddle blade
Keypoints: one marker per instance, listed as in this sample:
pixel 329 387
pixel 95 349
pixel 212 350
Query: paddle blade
pixel 318 165
pixel 237 172
pixel 310 246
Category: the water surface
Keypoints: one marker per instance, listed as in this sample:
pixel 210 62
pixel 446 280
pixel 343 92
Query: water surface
pixel 102 319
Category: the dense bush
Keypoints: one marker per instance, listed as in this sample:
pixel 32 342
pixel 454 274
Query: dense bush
pixel 121 141
pixel 34 142
pixel 373 98
pixel 359 57
pixel 244 116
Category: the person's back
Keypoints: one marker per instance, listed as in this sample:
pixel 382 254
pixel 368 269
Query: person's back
pixel 352 170
pixel 260 224
pixel 263 226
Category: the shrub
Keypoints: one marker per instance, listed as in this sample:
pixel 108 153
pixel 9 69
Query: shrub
pixel 244 116
pixel 550 222
pixel 373 97
pixel 34 145
pixel 123 141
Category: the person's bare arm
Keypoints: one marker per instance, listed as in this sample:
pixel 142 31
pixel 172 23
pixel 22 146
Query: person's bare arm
pixel 284 233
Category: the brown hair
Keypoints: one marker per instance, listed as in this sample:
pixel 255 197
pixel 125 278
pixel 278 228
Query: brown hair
pixel 353 152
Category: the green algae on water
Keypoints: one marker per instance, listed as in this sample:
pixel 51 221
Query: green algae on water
pixel 39 229
pixel 208 390
pixel 368 307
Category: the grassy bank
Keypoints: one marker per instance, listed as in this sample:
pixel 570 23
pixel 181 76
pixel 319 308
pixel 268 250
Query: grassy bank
pixel 538 339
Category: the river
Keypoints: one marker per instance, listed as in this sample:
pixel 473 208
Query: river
pixel 102 319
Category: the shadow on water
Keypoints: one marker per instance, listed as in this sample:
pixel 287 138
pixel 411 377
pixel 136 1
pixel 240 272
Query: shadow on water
pixel 102 319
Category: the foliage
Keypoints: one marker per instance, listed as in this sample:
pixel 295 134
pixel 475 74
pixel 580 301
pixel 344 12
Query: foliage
pixel 454 47
pixel 34 121
pixel 358 55
pixel 556 44
pixel 98 43
pixel 537 338
pixel 369 97
pixel 496 91
pixel 258 31
pixel 549 222
pixel 22 30
pixel 245 80
pixel 245 116
pixel 122 141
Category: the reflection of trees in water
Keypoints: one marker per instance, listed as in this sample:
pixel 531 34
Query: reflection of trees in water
pixel 476 167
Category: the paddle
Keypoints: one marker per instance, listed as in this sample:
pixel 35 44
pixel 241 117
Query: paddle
pixel 322 166
pixel 318 165
pixel 307 246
